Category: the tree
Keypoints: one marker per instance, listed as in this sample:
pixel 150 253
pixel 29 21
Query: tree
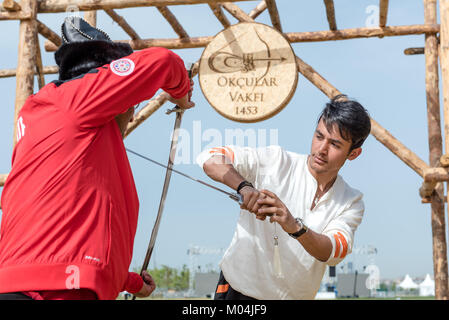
pixel 171 278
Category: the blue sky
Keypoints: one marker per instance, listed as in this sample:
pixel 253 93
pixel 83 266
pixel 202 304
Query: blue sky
pixel 373 71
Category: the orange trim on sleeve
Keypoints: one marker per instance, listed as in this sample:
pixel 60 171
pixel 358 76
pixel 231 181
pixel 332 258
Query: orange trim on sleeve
pixel 222 288
pixel 225 151
pixel 344 243
pixel 337 246
pixel 217 150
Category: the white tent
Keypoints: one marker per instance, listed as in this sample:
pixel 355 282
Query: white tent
pixel 408 283
pixel 427 287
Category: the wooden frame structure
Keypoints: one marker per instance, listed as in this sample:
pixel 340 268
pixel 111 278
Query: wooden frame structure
pixel 434 173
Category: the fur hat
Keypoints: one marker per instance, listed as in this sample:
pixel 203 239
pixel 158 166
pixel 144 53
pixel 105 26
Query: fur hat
pixel 84 48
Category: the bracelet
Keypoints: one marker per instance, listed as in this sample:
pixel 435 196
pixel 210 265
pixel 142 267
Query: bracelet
pixel 243 184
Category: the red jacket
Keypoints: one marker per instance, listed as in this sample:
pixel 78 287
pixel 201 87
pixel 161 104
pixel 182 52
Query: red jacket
pixel 70 205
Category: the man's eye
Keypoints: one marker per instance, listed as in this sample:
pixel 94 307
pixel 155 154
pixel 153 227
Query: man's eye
pixel 336 145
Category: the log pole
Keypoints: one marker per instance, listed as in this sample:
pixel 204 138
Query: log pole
pixel 440 267
pixel 292 37
pixel 330 14
pixel 26 64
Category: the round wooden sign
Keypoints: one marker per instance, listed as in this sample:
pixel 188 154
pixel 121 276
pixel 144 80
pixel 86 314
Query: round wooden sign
pixel 248 72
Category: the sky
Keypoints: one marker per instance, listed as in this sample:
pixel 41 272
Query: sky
pixel 375 72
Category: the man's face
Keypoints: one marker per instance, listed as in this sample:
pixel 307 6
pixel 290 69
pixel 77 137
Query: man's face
pixel 123 120
pixel 329 150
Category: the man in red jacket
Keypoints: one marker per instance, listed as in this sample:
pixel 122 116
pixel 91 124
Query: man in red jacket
pixel 70 205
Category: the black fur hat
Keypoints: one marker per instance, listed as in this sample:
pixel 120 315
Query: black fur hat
pixel 84 48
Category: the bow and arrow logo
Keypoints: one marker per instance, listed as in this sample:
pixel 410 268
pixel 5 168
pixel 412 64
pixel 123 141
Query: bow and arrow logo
pixel 223 61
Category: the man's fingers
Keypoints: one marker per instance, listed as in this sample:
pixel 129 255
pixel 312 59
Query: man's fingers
pixel 268 211
pixel 266 201
pixel 268 193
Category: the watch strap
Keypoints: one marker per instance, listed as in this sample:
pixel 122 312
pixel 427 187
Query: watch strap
pixel 244 184
pixel 301 231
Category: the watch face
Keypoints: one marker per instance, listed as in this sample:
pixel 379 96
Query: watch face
pixel 299 221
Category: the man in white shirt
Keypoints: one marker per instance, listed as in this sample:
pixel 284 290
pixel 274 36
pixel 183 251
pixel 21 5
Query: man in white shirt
pixel 313 213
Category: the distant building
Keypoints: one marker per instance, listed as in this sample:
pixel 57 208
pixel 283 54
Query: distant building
pixel 352 285
pixel 205 284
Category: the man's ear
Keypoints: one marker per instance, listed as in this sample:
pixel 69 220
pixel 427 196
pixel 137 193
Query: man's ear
pixel 354 153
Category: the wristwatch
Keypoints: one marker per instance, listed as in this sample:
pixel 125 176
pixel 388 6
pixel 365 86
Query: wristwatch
pixel 301 231
pixel 244 184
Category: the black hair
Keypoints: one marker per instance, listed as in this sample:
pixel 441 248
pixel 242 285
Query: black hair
pixel 351 117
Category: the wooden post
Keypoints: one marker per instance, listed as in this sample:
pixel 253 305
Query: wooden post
pixel 39 67
pixel 274 14
pixel 26 64
pixel 440 266
pixel 91 17
pixel 383 12
pixel 330 13
pixel 444 60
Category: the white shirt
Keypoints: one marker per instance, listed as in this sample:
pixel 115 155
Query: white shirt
pixel 247 264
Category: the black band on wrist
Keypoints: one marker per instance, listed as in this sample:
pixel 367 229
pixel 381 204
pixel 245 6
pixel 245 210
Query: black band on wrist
pixel 244 184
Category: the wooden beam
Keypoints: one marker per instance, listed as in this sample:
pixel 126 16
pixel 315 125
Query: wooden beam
pixel 413 51
pixel 53 6
pixel 330 13
pixel 355 33
pixel 26 59
pixel 396 147
pixel 274 14
pixel 436 174
pixel 171 19
pixel 383 13
pixel 293 37
pixel 15 15
pixel 172 43
pixel 123 24
pixel 218 12
pixel 8 73
pixel 236 12
pixel 48 33
pixel 11 5
pixel 440 265
pixel 258 10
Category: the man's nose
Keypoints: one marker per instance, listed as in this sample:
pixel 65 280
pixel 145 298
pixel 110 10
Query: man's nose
pixel 323 147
